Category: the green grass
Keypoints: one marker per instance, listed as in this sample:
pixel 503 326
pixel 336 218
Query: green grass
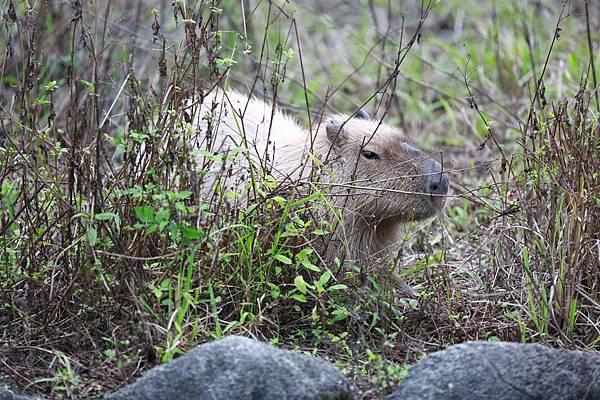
pixel 111 260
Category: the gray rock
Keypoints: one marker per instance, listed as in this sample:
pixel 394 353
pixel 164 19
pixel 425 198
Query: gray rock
pixel 6 394
pixel 242 369
pixel 502 371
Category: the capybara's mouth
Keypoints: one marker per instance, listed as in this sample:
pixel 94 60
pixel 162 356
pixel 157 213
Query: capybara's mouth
pixel 430 206
pixel 438 202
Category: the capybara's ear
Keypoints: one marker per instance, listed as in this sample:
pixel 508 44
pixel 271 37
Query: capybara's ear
pixel 335 132
pixel 362 114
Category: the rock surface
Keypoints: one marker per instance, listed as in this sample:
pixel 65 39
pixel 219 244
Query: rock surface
pixel 6 394
pixel 239 368
pixel 502 371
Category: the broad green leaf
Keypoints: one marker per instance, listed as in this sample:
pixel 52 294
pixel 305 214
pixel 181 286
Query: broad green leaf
pixel 190 233
pixel 162 215
pixel 300 297
pixel 308 265
pixel 324 278
pixel 281 258
pixel 339 314
pixel 300 284
pixel 145 213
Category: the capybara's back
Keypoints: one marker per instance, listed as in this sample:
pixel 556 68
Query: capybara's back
pixel 245 130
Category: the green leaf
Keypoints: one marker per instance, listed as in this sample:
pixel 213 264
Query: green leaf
pixel 89 85
pixel 251 209
pixel 279 200
pixel 229 326
pixel 151 229
pixel 289 53
pixel 339 314
pixel 281 258
pixel 303 258
pixel 308 265
pixel 92 236
pixel 162 215
pixel 117 219
pixel 339 286
pixel 320 231
pixel 275 291
pixel 184 195
pixel 304 253
pixel 105 216
pixel 324 278
pixel 319 287
pixel 300 284
pixel 145 213
pixel 6 185
pixel 51 86
pixel 190 233
pixel 300 297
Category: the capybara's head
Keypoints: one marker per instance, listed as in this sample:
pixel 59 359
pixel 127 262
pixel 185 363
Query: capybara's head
pixel 385 177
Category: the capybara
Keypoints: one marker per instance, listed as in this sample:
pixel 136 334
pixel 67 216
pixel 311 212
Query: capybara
pixel 368 169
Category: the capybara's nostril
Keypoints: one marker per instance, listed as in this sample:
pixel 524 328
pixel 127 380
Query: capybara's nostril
pixel 437 183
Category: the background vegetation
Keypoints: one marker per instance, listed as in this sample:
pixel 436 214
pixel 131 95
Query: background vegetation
pixel 111 262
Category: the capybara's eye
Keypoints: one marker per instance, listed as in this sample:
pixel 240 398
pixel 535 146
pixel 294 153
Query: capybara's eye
pixel 370 155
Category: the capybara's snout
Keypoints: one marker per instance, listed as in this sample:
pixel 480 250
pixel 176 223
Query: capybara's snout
pixel 436 181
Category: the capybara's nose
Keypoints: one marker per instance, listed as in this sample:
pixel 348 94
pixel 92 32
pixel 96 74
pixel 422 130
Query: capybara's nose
pixel 437 181
pixel 438 184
